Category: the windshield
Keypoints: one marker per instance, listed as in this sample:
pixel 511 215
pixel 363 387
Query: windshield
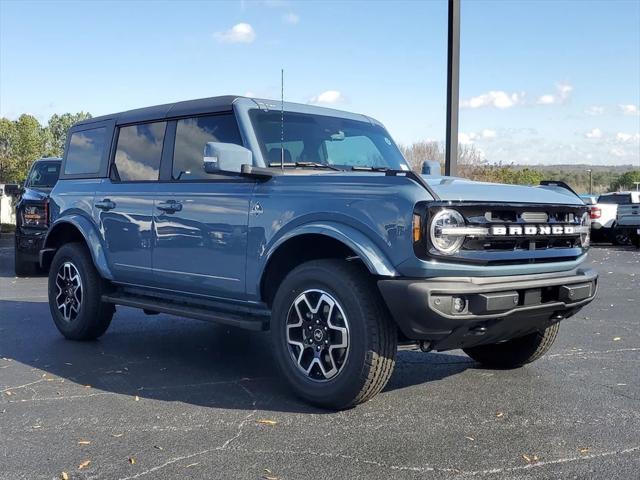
pixel 615 199
pixel 320 139
pixel 43 175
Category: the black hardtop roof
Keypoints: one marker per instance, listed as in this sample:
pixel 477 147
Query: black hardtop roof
pixel 177 109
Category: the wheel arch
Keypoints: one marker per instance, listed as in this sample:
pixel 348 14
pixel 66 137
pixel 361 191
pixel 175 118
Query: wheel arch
pixel 327 241
pixel 75 228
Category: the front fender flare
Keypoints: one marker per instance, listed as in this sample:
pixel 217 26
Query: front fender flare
pixel 91 237
pixel 371 255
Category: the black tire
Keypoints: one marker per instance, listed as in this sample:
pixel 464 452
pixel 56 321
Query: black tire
pixel 636 239
pixel 517 352
pixel 367 362
pixel 24 267
pixel 92 317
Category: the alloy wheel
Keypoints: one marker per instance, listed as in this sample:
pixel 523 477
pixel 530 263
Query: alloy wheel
pixel 317 334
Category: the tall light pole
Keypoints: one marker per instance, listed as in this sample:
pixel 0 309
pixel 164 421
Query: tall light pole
pixel 590 181
pixel 453 88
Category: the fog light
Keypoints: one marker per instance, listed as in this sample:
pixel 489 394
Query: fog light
pixel 458 304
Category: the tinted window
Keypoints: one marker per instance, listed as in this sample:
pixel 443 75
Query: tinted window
pixel 43 175
pixel 85 152
pixel 192 134
pixel 615 199
pixel 139 151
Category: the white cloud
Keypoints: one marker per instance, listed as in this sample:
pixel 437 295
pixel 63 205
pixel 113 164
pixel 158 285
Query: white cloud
pixel 629 109
pixel 494 98
pixel 594 110
pixel 488 134
pixel 617 152
pixel 563 92
pixel 594 133
pixel 627 137
pixel 239 33
pixel 329 97
pixel 291 18
pixel 466 138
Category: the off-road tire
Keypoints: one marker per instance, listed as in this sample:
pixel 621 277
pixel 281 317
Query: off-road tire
pixel 23 267
pixel 372 334
pixel 94 316
pixel 517 352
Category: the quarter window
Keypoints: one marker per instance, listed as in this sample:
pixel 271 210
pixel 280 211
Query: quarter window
pixel 139 152
pixel 85 152
pixel 192 134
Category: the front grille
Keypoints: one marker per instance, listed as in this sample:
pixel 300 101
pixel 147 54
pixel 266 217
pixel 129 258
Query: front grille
pixel 512 247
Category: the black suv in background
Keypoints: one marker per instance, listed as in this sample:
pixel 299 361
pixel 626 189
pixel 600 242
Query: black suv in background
pixel 32 214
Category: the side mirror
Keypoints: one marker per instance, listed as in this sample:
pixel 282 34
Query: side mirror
pixel 13 190
pixel 431 167
pixel 225 157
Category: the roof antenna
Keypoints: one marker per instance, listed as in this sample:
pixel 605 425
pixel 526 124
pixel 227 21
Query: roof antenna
pixel 282 119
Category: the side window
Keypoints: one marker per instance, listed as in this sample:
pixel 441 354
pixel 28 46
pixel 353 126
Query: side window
pixel 139 151
pixel 85 152
pixel 192 134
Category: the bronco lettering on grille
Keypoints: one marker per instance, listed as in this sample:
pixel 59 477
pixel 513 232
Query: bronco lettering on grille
pixel 530 230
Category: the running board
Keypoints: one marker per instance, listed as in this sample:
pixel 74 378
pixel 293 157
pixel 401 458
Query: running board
pixel 246 321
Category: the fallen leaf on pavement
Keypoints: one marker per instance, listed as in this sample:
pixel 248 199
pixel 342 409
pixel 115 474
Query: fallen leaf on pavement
pixel 64 476
pixel 84 464
pixel 117 435
pixel 470 438
pixel 616 339
pixel 84 442
pixel 132 460
pixel 530 458
pixel 265 421
pixel 584 450
pixel 499 414
pixel 192 465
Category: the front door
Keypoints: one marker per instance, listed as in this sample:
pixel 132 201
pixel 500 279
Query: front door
pixel 201 220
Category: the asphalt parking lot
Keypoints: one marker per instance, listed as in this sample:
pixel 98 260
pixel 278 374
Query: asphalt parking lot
pixel 164 397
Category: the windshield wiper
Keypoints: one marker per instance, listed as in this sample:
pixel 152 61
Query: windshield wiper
pixel 303 164
pixel 369 169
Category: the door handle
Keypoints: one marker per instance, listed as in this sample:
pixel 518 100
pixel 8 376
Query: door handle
pixel 170 206
pixel 105 204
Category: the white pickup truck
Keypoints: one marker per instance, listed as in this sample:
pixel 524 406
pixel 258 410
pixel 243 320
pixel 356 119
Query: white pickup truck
pixel 604 216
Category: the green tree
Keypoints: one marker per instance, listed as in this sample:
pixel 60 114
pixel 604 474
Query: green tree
pixel 625 181
pixel 29 143
pixel 7 155
pixel 57 130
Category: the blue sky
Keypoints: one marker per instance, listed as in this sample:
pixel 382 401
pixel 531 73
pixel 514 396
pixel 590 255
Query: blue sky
pixel 541 81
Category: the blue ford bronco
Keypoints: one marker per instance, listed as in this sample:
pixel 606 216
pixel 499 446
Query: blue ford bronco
pixel 307 222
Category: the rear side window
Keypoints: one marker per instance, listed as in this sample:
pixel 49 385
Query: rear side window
pixel 192 134
pixel 85 152
pixel 139 151
pixel 615 199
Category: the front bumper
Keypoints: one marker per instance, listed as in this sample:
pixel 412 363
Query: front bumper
pixel 494 308
pixel 29 242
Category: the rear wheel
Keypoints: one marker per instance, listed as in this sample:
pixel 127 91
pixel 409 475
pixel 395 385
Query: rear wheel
pixel 517 352
pixel 334 341
pixel 75 292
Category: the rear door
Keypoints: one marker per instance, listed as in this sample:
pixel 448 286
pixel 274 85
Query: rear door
pixel 201 219
pixel 123 204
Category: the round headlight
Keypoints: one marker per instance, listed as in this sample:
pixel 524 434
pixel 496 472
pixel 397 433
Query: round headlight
pixel 585 234
pixel 446 242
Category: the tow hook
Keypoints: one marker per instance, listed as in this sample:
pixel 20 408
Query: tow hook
pixel 425 346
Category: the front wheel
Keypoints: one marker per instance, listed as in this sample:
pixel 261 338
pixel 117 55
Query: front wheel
pixel 75 294
pixel 334 340
pixel 517 352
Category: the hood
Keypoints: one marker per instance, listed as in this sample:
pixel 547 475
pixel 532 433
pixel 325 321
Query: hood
pixel 459 189
pixel 36 194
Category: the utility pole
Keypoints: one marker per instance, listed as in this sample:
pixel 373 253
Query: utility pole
pixel 453 88
pixel 590 181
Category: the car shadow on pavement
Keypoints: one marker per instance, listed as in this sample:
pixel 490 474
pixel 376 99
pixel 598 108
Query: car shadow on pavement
pixel 174 360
